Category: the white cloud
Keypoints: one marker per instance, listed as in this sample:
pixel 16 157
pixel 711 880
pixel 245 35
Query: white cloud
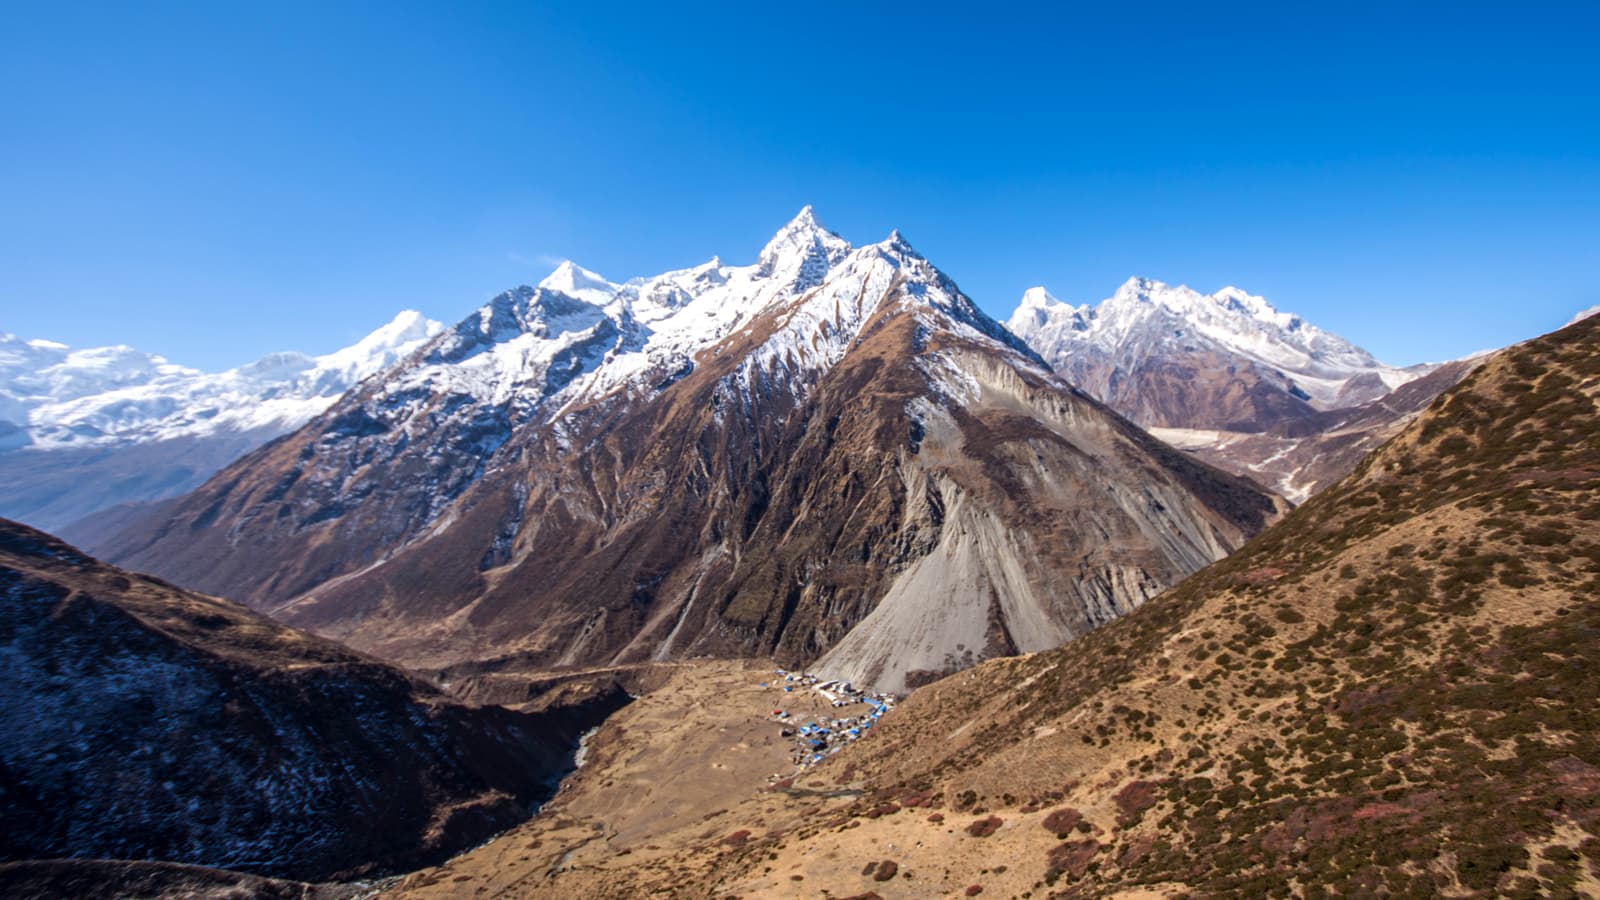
pixel 534 259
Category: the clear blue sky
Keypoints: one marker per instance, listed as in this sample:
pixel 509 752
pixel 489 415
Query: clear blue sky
pixel 215 181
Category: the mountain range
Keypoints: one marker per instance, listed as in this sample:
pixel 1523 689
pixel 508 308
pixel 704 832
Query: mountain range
pixel 1259 392
pixel 84 430
pixel 1224 376
pixel 830 455
pixel 1324 626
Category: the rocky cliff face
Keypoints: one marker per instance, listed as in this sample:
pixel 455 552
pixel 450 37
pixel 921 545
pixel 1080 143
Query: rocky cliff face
pixel 829 455
pixel 1349 701
pixel 143 722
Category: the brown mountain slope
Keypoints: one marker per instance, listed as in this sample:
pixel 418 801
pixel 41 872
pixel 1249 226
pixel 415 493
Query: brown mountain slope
pixel 1299 457
pixel 142 722
pixel 1396 690
pixel 778 530
pixel 866 471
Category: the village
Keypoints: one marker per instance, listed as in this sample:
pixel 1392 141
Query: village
pixel 819 736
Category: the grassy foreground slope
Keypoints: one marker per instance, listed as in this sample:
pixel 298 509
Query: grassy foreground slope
pixel 1396 689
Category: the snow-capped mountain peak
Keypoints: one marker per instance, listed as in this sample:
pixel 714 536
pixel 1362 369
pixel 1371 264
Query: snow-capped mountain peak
pixel 383 347
pixel 1147 320
pixel 1037 297
pixel 802 252
pixel 1039 313
pixel 171 426
pixel 579 283
pixel 1185 302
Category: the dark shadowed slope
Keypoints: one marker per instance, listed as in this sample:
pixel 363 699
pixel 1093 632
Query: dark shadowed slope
pixel 142 722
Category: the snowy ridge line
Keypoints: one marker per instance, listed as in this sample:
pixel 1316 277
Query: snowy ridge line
pixel 577 339
pixel 56 397
pixel 1145 315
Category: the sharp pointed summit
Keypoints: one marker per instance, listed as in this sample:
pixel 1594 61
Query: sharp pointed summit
pixel 898 243
pixel 804 223
pixel 579 283
pixel 1037 297
pixel 1138 288
pixel 803 249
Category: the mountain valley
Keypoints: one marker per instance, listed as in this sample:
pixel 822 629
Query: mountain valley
pixel 831 456
pixel 1342 707
pixel 1302 637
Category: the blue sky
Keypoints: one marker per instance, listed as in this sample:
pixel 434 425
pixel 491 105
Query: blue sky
pixel 216 181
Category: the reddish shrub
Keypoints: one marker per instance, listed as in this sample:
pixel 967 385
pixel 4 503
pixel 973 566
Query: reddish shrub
pixel 1379 811
pixel 1073 857
pixel 982 828
pixel 1061 822
pixel 1133 800
pixel 1260 577
pixel 1136 850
